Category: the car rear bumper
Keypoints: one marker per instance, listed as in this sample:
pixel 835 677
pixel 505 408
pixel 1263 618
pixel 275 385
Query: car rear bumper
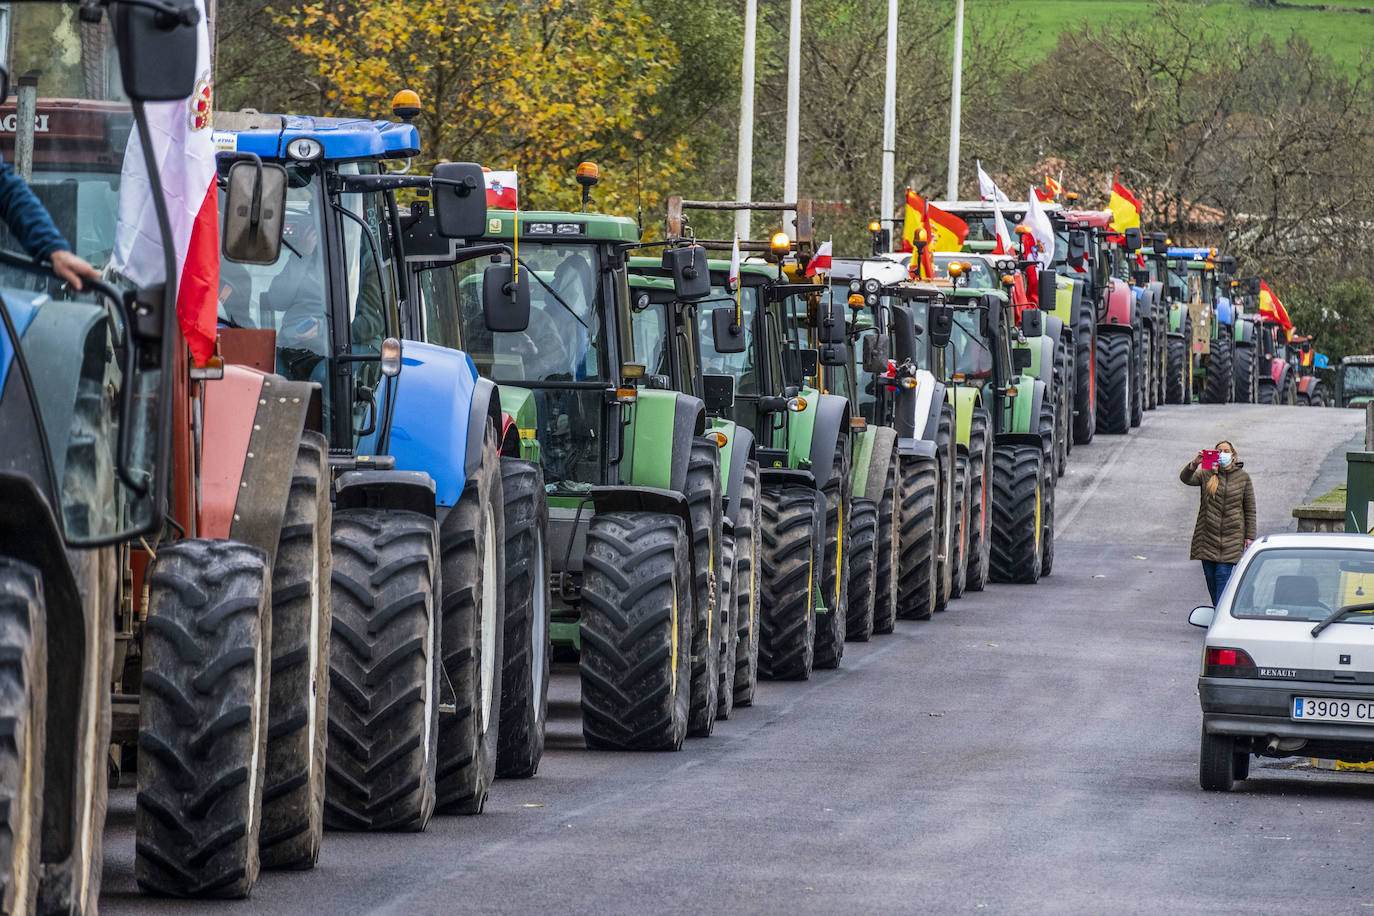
pixel 1254 708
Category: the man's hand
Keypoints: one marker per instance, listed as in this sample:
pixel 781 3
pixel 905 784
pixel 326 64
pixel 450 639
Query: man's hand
pixel 72 268
pixel 1248 542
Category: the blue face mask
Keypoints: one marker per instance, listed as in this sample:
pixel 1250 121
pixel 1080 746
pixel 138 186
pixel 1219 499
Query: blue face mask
pixel 1224 459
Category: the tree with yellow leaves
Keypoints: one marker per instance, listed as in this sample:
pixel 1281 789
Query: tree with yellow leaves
pixel 536 86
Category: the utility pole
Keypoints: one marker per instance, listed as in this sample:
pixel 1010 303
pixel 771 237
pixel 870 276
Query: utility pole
pixel 952 188
pixel 789 166
pixel 890 124
pixel 744 171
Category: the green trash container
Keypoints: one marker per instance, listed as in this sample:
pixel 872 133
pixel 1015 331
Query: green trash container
pixel 1359 491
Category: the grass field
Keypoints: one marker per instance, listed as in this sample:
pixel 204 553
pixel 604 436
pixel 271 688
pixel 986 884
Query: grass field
pixel 1346 36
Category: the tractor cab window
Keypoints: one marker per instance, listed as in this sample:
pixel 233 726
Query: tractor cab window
pixel 744 366
pixel 973 358
pixel 979 276
pixel 438 289
pixel 650 328
pixel 1358 380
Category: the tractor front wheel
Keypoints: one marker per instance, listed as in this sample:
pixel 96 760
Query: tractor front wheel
pixel 1114 383
pixel 1221 373
pixel 1018 483
pixel 746 587
pixel 23 711
pixel 886 559
pixel 919 532
pixel 703 492
pixel 793 529
pixel 830 627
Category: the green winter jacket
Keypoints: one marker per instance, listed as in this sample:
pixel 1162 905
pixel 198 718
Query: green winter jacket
pixel 1226 520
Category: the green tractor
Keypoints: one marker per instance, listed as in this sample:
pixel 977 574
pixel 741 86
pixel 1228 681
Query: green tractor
pixel 635 520
pixel 1205 325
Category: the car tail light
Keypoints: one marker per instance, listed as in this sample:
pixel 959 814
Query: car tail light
pixel 1228 658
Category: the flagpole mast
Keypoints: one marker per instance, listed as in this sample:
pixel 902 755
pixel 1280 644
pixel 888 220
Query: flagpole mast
pixel 789 173
pixel 886 214
pixel 952 188
pixel 744 171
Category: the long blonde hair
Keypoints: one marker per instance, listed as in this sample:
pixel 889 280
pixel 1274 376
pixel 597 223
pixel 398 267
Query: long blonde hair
pixel 1215 480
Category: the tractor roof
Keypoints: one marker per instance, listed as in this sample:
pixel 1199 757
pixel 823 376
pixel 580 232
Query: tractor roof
pixel 1191 254
pixel 557 225
pixel 268 135
pixel 1360 360
pixel 645 281
pixel 985 207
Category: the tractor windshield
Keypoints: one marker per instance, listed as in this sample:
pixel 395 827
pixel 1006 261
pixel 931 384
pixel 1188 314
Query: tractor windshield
pixel 743 365
pixel 650 329
pixel 1359 379
pixel 71 347
pixel 979 275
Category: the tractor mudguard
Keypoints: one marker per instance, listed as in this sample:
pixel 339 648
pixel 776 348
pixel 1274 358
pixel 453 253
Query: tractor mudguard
pixel 518 403
pixel 1177 312
pixel 255 422
pixel 734 460
pixel 1121 305
pixel 658 439
pixel 882 443
pixel 920 419
pixel 1225 311
pixel 510 437
pixel 1042 350
pixel 1278 371
pixel 410 491
pixel 1024 415
pixel 439 412
pixel 645 499
pixel 1066 296
pixel 62 339
pixel 916 448
pixel 801 424
pixel 1054 328
pixel 1305 383
pixel 963 398
pixel 861 457
pixel 831 423
pixel 777 477
pixel 1245 332
pixel 1145 304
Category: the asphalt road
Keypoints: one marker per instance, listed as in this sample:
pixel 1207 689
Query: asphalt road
pixel 1033 749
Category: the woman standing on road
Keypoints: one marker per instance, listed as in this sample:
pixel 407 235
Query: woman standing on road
pixel 1225 517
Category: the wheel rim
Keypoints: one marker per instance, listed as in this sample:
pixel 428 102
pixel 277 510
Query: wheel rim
pixel 539 636
pixel 489 622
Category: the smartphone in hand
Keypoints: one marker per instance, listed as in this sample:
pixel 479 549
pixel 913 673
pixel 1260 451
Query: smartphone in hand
pixel 1209 459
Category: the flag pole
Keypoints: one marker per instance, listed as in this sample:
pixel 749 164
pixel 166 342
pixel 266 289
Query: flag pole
pixel 890 124
pixel 789 165
pixel 952 189
pixel 744 170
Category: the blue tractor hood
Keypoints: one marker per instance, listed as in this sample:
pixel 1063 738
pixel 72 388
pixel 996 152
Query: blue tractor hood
pixel 270 135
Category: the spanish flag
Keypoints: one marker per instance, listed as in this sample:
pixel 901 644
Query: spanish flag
pixel 1052 187
pixel 1270 307
pixel 915 225
pixel 947 231
pixel 1125 208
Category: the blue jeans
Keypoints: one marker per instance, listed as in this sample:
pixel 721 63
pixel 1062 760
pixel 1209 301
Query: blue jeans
pixel 1217 575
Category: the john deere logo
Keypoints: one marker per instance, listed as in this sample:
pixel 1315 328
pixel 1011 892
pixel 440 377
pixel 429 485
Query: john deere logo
pixel 199 114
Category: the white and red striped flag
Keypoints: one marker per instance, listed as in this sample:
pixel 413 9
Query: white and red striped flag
pixel 501 190
pixel 185 155
pixel 820 261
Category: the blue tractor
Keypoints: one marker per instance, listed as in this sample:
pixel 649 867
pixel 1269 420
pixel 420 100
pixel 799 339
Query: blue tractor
pixel 418 517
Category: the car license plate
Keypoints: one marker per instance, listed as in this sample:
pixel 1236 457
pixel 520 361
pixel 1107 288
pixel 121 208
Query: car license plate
pixel 1328 709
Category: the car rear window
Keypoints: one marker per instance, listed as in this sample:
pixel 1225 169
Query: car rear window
pixel 1306 584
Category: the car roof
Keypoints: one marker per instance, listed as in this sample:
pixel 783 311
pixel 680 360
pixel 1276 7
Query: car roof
pixel 1316 539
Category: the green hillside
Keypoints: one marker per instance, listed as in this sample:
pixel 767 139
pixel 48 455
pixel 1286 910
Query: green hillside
pixel 1346 36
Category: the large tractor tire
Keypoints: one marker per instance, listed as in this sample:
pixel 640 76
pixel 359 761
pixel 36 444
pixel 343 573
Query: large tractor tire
pixel 979 510
pixel 525 649
pixel 1018 485
pixel 919 563
pixel 203 711
pixel 863 569
pixel 1178 380
pixel 23 720
pixel 1085 374
pixel 746 588
pixel 887 556
pixel 1150 370
pixel 1266 392
pixel 1045 426
pixel 1289 398
pixel 1221 373
pixel 727 626
pixel 1316 395
pixel 945 509
pixel 298 711
pixel 959 566
pixel 703 492
pixel 636 662
pixel 384 671
pixel 1114 378
pixel 830 626
pixel 793 528
pixel 1068 380
pixel 1047 532
pixel 1245 389
pixel 472 558
pixel 1138 378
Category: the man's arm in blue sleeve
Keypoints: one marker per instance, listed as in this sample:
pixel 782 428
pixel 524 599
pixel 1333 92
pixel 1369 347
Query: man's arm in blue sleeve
pixel 28 219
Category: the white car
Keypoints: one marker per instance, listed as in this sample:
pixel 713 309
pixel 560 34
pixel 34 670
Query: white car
pixel 1288 664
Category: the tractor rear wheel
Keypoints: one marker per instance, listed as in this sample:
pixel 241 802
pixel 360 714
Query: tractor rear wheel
pixel 959 567
pixel 945 508
pixel 863 569
pixel 1047 534
pixel 1245 374
pixel 1176 390
pixel 384 671
pixel 727 626
pixel 637 607
pixel 1114 383
pixel 1149 384
pixel 793 527
pixel 1067 385
pixel 298 711
pixel 1138 375
pixel 919 564
pixel 830 627
pixel 23 712
pixel 1221 372
pixel 1316 395
pixel 886 557
pixel 472 556
pixel 979 518
pixel 525 652
pixel 203 711
pixel 1085 374
pixel 1290 392
pixel 747 572
pixel 703 492
pixel 1018 484
pixel 1266 392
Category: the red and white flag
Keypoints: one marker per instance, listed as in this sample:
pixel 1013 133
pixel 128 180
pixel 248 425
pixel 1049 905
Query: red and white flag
pixel 1040 228
pixel 185 155
pixel 501 190
pixel 733 278
pixel 1005 245
pixel 820 260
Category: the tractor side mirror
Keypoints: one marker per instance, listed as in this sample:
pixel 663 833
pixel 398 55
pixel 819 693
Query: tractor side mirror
pixel 1020 359
pixel 835 354
pixel 505 304
pixel 254 208
pixel 798 365
pixel 718 392
pixel 1032 322
pixel 1078 245
pixel 460 200
pixel 1254 286
pixel 157 51
pixel 1140 277
pixel 691 276
pixel 1159 241
pixel 990 316
pixel 875 353
pixel 940 317
pixel 1134 239
pixel 832 330
pixel 1048 292
pixel 904 332
pixel 1228 265
pixel 726 336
